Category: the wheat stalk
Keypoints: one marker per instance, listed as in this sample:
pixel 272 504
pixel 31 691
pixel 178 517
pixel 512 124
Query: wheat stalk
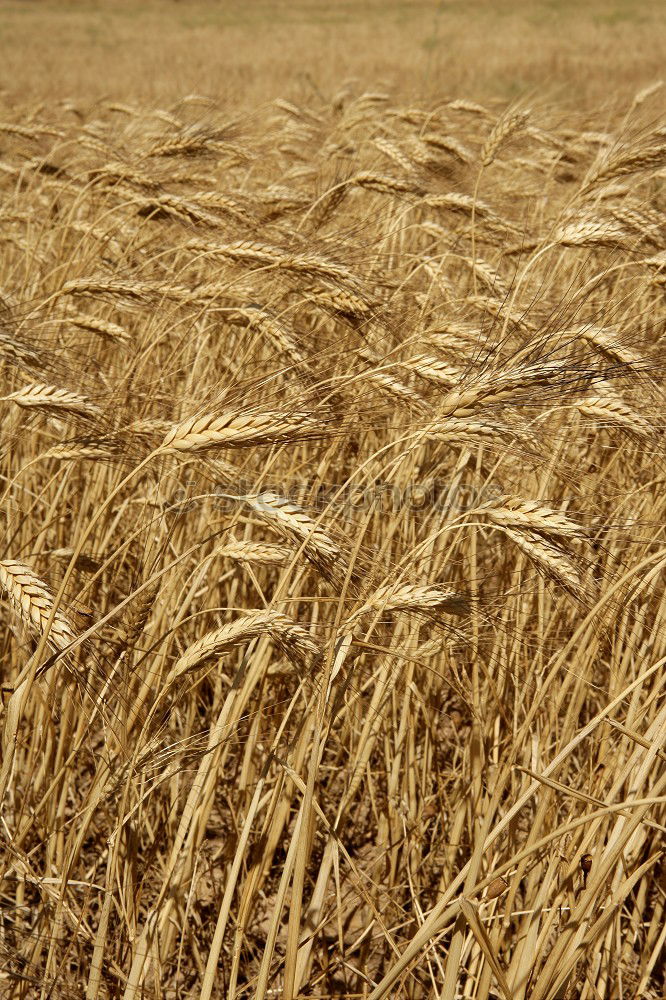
pixel 384 184
pixel 433 369
pixel 266 553
pixel 501 132
pixel 105 327
pixel 466 432
pixel 631 161
pixel 602 233
pixel 134 620
pixel 608 409
pixel 608 343
pixel 395 388
pixel 551 560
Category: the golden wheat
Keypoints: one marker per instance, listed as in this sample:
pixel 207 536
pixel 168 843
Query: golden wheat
pixel 336 426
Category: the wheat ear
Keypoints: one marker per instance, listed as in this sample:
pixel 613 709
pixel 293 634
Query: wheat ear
pixel 239 430
pixel 292 639
pixel 429 600
pixel 32 600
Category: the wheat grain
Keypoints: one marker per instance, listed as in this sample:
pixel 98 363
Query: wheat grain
pixel 433 369
pixel 534 516
pixel 551 560
pixel 395 388
pixel 607 409
pixel 135 618
pixel 591 233
pixel 608 343
pixel 292 522
pixel 384 184
pixel 105 327
pixel 84 449
pixel 626 162
pixel 471 107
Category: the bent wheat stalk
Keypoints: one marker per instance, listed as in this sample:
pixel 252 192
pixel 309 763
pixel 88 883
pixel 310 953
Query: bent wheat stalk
pixel 549 559
pixel 267 553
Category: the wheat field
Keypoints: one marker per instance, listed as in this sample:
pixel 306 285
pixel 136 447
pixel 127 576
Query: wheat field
pixel 332 605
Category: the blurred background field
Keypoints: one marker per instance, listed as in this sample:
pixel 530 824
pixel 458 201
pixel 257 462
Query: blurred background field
pixel 253 51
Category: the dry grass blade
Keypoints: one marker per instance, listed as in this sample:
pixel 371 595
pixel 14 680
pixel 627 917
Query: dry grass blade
pixel 472 916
